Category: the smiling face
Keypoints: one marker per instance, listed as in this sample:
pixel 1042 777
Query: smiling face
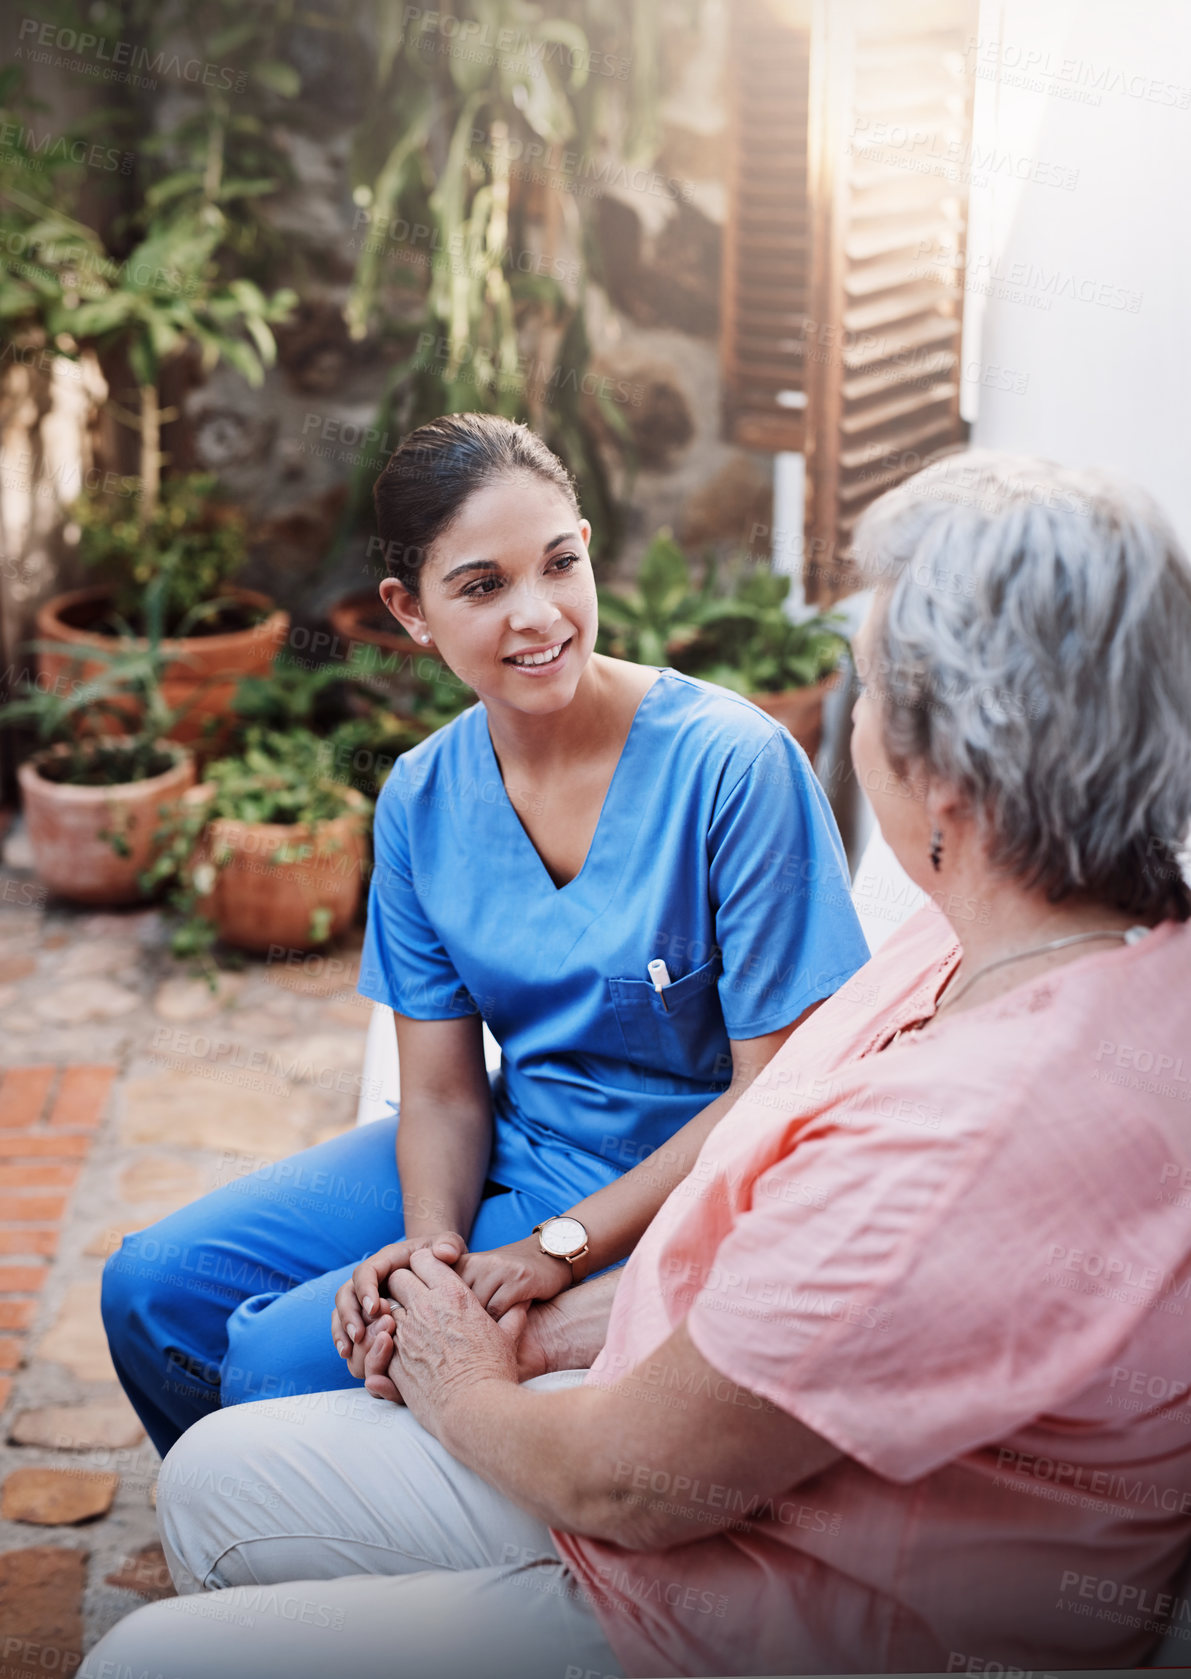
pixel 507 595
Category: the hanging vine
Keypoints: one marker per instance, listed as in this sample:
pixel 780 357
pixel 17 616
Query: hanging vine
pixel 465 258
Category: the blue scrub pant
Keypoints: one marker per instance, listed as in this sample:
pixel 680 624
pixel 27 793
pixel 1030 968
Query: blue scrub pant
pixel 230 1298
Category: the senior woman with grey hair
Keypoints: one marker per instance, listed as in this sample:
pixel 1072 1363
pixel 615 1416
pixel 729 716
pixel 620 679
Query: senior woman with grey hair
pixel 895 1380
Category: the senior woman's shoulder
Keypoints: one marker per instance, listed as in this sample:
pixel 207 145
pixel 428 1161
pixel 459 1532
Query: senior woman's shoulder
pixel 1089 1047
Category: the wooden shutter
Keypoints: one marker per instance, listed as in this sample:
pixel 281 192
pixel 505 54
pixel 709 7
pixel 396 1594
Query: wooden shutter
pixel 766 268
pixel 890 146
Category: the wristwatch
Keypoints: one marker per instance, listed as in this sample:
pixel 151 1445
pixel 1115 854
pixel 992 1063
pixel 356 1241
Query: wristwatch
pixel 562 1237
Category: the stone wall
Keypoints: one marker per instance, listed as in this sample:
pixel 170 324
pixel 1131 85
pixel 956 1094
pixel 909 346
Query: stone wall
pixel 288 450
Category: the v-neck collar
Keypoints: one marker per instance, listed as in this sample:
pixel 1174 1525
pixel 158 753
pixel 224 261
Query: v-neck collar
pixel 604 806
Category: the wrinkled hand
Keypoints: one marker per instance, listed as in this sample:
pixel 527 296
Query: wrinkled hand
pixel 360 1303
pixel 443 1342
pixel 515 1275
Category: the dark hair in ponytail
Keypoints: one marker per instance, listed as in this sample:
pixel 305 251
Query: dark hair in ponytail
pixel 436 468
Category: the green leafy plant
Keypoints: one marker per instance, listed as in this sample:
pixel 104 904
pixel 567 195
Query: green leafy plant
pixel 364 748
pixel 283 777
pixel 442 145
pixel 192 547
pixel 738 634
pixel 662 612
pixel 341 703
pixel 287 777
pixel 158 282
pixel 167 296
pixel 66 713
pixel 749 643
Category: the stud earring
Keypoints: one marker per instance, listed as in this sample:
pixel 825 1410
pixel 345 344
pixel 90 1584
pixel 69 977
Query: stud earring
pixel 936 849
pixel 426 638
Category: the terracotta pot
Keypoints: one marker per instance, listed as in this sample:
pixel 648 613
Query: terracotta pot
pixel 364 617
pixel 403 666
pixel 801 711
pixel 66 825
pixel 202 675
pixel 257 902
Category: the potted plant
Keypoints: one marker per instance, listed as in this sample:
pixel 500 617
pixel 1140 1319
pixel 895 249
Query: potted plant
pixel 214 633
pixel 282 846
pixel 95 802
pixel 141 311
pixel 338 702
pixel 740 636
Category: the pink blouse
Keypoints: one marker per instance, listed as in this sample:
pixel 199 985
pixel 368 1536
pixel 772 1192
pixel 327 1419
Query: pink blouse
pixel 966 1262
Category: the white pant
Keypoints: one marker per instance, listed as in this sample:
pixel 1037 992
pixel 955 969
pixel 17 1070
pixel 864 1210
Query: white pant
pixel 341 1538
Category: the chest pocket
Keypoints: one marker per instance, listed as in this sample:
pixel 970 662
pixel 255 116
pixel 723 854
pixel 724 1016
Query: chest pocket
pixel 685 1035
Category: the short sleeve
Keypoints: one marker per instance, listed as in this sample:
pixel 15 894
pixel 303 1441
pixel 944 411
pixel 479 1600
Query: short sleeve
pixel 784 920
pixel 404 962
pixel 895 1286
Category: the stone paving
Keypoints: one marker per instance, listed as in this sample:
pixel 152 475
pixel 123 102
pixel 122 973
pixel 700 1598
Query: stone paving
pixel 129 1087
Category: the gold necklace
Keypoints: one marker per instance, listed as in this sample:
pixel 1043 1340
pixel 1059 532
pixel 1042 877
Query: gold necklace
pixel 1129 934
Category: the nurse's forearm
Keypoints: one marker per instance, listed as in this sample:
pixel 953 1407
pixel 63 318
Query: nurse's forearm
pixel 617 1216
pixel 442 1159
pixel 567 1332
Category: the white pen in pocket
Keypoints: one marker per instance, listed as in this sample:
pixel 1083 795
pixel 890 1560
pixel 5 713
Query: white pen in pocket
pixel 660 975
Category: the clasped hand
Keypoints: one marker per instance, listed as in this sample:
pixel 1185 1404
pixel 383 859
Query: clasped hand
pixel 441 1341
pixel 502 1280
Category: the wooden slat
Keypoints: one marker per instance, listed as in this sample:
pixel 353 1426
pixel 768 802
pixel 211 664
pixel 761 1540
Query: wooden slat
pixel 910 400
pixel 903 343
pixel 884 397
pixel 930 433
pixel 767 240
pixel 868 385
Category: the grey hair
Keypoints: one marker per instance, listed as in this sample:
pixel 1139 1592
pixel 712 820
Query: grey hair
pixel 1033 650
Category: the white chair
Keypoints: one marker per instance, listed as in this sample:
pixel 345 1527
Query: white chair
pixel 381 1083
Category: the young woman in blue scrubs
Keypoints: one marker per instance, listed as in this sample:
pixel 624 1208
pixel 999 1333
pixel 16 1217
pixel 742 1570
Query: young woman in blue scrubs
pixel 588 817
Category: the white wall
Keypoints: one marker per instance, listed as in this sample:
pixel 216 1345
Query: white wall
pixel 1093 97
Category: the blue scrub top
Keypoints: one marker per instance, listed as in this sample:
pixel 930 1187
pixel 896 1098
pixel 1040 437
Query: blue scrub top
pixel 715 850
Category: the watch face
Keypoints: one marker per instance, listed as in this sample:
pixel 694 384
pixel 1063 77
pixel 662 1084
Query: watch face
pixel 561 1236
